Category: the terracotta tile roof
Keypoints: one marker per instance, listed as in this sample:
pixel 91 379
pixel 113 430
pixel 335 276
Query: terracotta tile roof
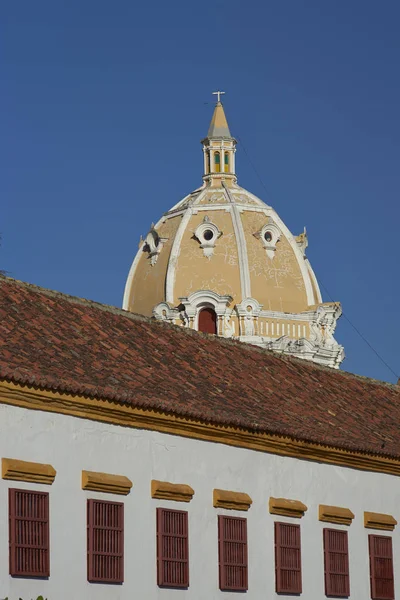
pixel 62 343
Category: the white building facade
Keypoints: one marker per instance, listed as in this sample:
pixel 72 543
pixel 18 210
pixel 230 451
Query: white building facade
pixel 72 445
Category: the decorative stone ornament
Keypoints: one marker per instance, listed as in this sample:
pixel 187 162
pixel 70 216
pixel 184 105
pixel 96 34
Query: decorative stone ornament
pixel 379 521
pixel 153 244
pixel 207 234
pixel 164 490
pixel 302 241
pixel 248 312
pixel 335 514
pixel 231 500
pixel 106 483
pixel 192 305
pixel 269 236
pixel 32 472
pixel 163 312
pixel 286 507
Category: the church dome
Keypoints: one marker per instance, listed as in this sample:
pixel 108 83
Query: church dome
pixel 222 261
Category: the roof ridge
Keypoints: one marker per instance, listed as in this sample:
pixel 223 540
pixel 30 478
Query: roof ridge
pixel 74 299
pixel 187 331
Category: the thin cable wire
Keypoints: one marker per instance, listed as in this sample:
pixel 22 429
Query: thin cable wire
pixel 254 168
pixel 361 335
pixel 322 285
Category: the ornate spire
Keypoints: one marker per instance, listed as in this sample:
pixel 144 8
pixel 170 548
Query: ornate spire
pixel 219 148
pixel 219 125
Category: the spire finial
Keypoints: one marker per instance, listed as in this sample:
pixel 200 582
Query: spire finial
pixel 218 94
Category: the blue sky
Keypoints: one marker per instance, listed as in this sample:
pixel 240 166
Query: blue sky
pixel 104 105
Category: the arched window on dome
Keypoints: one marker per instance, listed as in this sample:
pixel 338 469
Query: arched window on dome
pixel 226 162
pixel 208 321
pixel 217 162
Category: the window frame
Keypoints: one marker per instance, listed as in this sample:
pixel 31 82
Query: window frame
pixel 16 547
pixel 217 161
pixel 279 569
pixel 328 572
pixel 226 161
pixel 372 566
pixel 91 553
pixel 223 560
pixel 162 559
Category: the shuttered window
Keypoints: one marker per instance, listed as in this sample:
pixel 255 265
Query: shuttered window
pixel 381 567
pixel 287 558
pixel 29 533
pixel 232 541
pixel 336 560
pixel 105 541
pixel 172 548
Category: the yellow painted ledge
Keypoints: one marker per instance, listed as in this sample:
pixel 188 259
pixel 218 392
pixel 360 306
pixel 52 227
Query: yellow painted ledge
pixel 335 514
pixel 231 500
pixel 20 470
pixel 105 482
pixel 287 508
pixel 379 521
pixel 180 492
pixel 128 416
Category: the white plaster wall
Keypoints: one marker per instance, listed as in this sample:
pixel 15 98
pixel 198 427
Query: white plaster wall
pixel 71 445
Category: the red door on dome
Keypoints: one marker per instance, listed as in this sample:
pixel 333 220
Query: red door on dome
pixel 208 321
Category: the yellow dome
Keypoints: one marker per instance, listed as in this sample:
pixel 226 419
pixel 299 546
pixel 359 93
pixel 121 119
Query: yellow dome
pixel 222 258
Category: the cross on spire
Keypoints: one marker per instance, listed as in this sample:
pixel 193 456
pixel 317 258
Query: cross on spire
pixel 218 94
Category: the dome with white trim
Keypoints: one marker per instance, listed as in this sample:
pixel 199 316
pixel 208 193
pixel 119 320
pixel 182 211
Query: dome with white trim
pixel 221 261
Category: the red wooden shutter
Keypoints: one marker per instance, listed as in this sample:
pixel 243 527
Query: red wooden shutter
pixel 336 560
pixel 29 533
pixel 232 542
pixel 105 541
pixel 172 548
pixel 287 558
pixel 381 567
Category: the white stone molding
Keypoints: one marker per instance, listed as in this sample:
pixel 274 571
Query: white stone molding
pixel 320 347
pixel 318 295
pixel 207 208
pixel 252 197
pixel 164 312
pixel 192 305
pixel 298 254
pixel 241 245
pixel 132 270
pixel 207 234
pixel 173 258
pixel 228 325
pixel 323 324
pixel 153 244
pixel 175 250
pixel 187 200
pixel 306 349
pixel 248 312
pixel 302 241
pixel 269 236
pixel 242 309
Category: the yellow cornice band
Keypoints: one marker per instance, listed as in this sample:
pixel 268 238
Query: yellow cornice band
pixel 287 508
pixel 21 470
pixel 335 514
pixel 106 482
pixel 379 521
pixel 180 492
pixel 128 416
pixel 231 500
